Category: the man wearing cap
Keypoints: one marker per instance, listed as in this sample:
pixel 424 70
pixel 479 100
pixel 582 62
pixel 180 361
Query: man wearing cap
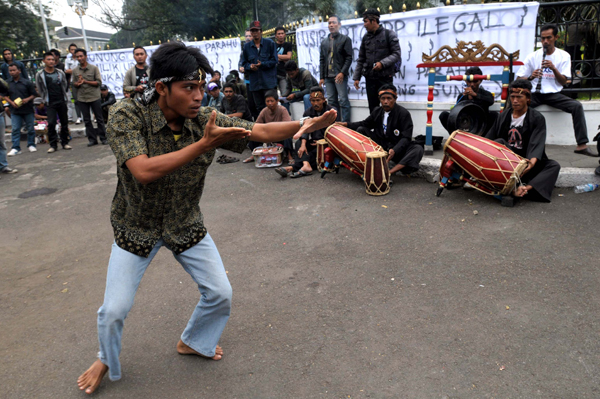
pixel 51 84
pixel 136 78
pixel 259 60
pixel 391 126
pixel 215 95
pixel 378 54
pixel 523 130
pixel 107 99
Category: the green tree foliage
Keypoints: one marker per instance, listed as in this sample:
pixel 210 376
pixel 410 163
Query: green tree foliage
pixel 142 21
pixel 21 28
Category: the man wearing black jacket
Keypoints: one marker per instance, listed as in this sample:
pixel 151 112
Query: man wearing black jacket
pixel 391 126
pixel 475 94
pixel 305 154
pixel 107 98
pixel 523 130
pixel 335 60
pixel 378 54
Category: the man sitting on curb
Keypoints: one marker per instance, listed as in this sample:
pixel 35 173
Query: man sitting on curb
pixel 391 126
pixel 523 130
pixel 299 81
pixel 305 155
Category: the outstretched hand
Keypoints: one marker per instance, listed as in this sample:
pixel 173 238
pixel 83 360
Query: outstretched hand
pixel 214 135
pixel 323 121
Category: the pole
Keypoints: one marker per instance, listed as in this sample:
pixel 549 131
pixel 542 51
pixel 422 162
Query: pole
pixel 45 25
pixel 255 10
pixel 85 43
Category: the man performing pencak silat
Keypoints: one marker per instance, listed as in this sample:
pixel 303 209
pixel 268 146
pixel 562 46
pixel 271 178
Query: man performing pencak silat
pixel 164 143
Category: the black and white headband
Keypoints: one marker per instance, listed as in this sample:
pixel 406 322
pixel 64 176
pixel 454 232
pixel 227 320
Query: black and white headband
pixel 150 94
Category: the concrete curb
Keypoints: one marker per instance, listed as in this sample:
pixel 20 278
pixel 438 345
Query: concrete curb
pixel 568 177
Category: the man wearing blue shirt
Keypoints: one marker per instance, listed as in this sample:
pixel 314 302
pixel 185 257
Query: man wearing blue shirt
pixel 9 59
pixel 260 65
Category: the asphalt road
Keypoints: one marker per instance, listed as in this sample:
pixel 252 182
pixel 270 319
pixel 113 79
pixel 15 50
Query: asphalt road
pixel 336 294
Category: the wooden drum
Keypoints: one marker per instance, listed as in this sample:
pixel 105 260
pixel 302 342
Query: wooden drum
pixel 321 145
pixel 495 168
pixel 351 146
pixel 377 173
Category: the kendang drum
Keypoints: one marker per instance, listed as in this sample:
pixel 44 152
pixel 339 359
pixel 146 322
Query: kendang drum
pixel 377 174
pixel 321 146
pixel 351 146
pixel 494 169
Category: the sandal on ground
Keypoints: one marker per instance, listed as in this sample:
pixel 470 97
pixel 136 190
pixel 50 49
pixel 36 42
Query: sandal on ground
pixel 300 173
pixel 586 151
pixel 281 171
pixel 248 160
pixel 227 159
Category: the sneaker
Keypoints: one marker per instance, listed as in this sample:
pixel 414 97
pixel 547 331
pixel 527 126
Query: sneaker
pixel 78 121
pixel 8 170
pixel 32 148
pixel 67 147
pixel 13 152
pixel 51 150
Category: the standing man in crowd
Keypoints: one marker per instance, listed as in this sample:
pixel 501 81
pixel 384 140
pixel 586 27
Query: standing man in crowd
pixel 548 77
pixel 136 78
pixel 164 145
pixel 248 95
pixel 107 99
pixel 70 64
pixel 52 87
pixel 284 54
pixel 59 64
pixel 378 54
pixel 298 84
pixel 334 65
pixel 8 59
pixel 21 94
pixel 391 126
pixel 87 80
pixel 260 65
pixel 3 161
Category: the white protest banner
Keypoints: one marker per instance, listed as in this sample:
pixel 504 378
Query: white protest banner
pixel 512 25
pixel 223 56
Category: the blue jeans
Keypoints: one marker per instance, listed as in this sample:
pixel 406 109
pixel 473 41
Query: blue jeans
pixel 338 89
pixel 306 100
pixel 17 124
pixel 125 271
pixel 3 162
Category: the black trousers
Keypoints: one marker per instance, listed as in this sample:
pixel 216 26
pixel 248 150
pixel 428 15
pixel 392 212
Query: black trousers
pixel 259 100
pixel 309 156
pixel 373 85
pixel 62 111
pixel 542 177
pixel 567 104
pixel 93 134
pixel 251 105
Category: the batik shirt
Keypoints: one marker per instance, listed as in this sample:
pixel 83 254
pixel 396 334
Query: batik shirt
pixel 168 207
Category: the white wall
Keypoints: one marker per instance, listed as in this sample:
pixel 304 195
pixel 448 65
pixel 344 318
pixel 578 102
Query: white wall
pixel 559 124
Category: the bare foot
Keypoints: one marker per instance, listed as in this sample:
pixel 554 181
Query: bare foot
pixel 183 349
pixel 92 377
pixel 520 191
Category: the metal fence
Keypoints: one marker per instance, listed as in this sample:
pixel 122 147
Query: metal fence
pixel 579 34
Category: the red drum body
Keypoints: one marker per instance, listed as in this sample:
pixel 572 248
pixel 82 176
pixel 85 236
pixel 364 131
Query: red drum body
pixel 377 174
pixel 351 146
pixel 321 145
pixel 495 168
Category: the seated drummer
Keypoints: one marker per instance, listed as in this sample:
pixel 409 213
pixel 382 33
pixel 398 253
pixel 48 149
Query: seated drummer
pixel 305 156
pixel 391 126
pixel 523 130
pixel 475 94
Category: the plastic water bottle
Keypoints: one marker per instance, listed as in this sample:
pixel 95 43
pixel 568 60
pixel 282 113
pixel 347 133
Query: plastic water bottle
pixel 584 188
